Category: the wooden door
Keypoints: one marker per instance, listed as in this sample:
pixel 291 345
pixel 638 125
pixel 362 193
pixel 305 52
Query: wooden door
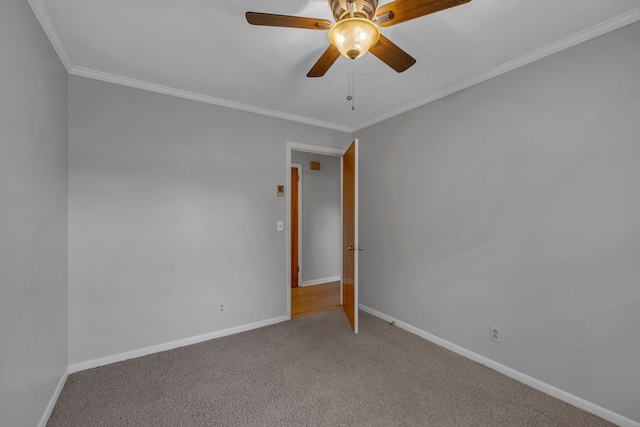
pixel 350 246
pixel 294 228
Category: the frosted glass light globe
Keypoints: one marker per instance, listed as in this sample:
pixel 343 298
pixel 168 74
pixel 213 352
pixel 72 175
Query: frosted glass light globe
pixel 354 36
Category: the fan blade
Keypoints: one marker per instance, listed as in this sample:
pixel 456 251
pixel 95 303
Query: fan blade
pixel 392 55
pixel 268 19
pixel 325 62
pixel 405 10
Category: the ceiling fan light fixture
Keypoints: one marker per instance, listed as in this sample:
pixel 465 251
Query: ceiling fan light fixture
pixel 354 36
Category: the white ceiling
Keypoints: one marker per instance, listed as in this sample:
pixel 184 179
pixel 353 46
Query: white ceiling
pixel 205 50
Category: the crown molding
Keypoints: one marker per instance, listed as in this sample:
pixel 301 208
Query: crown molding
pixel 580 37
pixel 166 90
pixel 50 29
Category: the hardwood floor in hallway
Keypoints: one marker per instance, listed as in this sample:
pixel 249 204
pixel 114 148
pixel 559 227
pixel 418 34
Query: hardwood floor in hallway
pixel 314 299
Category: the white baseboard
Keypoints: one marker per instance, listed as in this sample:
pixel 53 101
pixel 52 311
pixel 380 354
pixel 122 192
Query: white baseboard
pixel 320 281
pixel 54 398
pixel 512 373
pixel 94 363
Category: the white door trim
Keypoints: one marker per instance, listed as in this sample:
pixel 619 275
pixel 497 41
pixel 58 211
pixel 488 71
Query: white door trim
pixel 291 146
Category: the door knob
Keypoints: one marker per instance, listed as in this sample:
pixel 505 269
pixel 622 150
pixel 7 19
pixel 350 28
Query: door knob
pixel 349 248
pixel 359 248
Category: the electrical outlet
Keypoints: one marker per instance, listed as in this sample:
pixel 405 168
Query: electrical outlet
pixel 221 307
pixel 494 333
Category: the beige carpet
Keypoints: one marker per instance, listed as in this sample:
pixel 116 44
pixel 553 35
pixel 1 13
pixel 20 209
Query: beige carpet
pixel 310 371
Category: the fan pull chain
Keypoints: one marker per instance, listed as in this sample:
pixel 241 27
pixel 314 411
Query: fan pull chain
pixel 352 83
pixel 353 91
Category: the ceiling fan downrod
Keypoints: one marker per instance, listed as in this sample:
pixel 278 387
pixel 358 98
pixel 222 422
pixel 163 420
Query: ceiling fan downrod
pixel 343 9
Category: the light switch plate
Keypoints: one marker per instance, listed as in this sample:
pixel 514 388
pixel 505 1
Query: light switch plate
pixel 280 225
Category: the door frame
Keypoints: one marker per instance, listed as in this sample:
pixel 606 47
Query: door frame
pixel 299 167
pixel 295 146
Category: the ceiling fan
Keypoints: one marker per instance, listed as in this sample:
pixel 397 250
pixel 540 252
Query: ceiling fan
pixel 356 29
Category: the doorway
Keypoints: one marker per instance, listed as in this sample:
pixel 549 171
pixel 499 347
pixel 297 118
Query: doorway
pixel 315 233
pixel 348 289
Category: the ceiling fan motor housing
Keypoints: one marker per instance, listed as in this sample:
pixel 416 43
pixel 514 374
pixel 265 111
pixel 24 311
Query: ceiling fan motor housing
pixel 361 9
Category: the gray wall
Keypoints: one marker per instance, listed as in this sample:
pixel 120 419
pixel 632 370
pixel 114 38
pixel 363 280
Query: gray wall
pixel 172 209
pixel 321 256
pixel 33 217
pixel 516 202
